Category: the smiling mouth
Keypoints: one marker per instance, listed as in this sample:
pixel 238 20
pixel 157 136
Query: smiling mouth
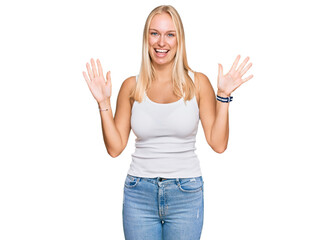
pixel 161 50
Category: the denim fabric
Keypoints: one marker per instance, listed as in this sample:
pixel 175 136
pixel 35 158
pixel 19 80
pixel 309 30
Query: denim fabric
pixel 168 209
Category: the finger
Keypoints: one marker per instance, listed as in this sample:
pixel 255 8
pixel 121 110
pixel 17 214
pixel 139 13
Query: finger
pixel 235 63
pixel 100 69
pixel 220 69
pixel 242 65
pixel 86 78
pixel 89 71
pixel 94 69
pixel 248 78
pixel 246 69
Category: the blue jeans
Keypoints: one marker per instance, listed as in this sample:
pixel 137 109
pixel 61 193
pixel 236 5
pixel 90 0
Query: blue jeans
pixel 168 209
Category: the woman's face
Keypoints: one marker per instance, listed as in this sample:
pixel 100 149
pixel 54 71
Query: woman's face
pixel 162 40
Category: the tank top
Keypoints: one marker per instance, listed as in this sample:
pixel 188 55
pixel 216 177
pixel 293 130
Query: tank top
pixel 165 138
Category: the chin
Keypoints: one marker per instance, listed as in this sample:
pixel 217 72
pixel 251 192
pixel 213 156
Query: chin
pixel 162 62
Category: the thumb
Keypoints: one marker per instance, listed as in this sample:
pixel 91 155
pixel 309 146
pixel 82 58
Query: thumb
pixel 220 69
pixel 108 78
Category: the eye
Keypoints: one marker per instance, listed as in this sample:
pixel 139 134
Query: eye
pixel 170 35
pixel 154 33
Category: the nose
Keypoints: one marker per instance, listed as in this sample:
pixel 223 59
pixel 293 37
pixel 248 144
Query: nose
pixel 161 41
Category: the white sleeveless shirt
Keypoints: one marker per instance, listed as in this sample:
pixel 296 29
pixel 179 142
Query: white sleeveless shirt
pixel 165 138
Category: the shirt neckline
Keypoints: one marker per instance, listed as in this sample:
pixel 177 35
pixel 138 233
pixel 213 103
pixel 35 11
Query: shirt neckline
pixel 171 103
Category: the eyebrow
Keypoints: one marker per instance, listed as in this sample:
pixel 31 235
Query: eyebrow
pixel 159 31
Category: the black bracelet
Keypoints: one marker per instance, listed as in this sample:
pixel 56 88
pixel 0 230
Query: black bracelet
pixel 223 99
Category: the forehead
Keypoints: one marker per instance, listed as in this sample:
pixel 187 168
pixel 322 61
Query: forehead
pixel 162 22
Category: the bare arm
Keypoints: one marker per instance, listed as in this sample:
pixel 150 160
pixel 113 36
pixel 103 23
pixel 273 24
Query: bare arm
pixel 214 114
pixel 111 134
pixel 115 129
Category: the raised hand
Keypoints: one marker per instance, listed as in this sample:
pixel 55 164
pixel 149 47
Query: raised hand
pixel 233 79
pixel 100 89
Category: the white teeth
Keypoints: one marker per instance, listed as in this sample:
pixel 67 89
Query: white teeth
pixel 161 50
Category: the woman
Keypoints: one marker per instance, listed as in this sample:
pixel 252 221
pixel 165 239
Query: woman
pixel 164 191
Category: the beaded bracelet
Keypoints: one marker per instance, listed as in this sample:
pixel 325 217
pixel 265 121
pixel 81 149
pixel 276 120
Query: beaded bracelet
pixel 223 99
pixel 105 109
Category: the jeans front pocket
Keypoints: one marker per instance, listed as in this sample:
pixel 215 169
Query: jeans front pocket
pixel 131 181
pixel 190 184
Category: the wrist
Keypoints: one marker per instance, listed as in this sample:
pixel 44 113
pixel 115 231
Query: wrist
pixel 222 94
pixel 104 103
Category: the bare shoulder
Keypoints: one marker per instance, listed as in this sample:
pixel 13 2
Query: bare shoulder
pixel 200 75
pixel 129 83
pixel 202 83
pixel 126 89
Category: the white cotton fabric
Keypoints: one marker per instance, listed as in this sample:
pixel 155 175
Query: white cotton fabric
pixel 165 139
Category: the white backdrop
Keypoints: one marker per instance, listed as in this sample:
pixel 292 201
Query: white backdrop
pixel 275 181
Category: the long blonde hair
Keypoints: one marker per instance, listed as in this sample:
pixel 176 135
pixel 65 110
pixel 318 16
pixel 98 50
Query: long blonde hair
pixel 183 85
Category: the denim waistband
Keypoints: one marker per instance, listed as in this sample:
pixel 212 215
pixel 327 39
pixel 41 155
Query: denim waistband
pixel 155 180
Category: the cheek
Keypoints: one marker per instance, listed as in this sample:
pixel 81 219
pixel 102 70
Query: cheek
pixel 172 43
pixel 151 41
pixel 173 47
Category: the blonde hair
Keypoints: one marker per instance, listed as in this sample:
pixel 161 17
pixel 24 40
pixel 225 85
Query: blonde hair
pixel 183 85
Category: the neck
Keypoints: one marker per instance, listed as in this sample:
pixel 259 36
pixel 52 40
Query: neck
pixel 163 73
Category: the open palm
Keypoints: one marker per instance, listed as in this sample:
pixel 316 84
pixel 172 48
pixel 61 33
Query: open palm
pixel 100 89
pixel 233 79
